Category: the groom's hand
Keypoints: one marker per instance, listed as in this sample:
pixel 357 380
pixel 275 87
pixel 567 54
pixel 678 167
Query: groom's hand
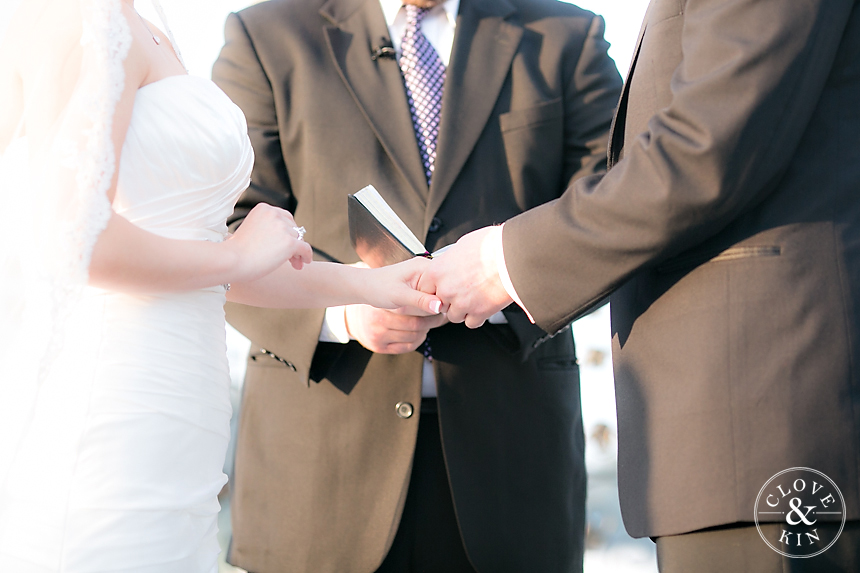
pixel 389 331
pixel 466 278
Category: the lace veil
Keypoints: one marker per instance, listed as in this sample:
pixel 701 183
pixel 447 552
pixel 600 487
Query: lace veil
pixel 61 76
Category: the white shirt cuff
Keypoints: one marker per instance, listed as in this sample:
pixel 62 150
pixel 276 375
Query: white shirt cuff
pixel 334 325
pixel 498 318
pixel 503 272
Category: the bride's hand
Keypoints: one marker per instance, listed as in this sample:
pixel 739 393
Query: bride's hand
pixel 266 240
pixel 396 286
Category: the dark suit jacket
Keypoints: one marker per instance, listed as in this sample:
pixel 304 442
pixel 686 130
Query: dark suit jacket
pixel 322 469
pixel 728 229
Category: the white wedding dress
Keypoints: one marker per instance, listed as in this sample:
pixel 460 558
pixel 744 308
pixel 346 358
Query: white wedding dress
pixel 123 463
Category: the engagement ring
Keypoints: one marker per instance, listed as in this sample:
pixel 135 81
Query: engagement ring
pixel 301 231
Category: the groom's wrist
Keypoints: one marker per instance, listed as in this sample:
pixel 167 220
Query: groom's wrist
pixel 502 269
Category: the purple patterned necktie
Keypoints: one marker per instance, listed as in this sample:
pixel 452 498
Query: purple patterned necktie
pixel 424 76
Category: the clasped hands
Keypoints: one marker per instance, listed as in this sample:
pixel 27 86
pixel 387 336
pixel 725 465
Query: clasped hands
pixel 466 279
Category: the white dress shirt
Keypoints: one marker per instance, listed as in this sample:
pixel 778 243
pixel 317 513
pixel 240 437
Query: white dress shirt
pixel 498 248
pixel 438 25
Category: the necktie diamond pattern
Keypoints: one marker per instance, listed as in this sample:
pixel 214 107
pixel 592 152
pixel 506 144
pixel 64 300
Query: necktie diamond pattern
pixel 424 76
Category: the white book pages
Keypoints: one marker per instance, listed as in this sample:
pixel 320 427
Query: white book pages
pixel 373 202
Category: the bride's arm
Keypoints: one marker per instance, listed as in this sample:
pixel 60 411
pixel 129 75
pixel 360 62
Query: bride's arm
pixel 321 284
pixel 129 259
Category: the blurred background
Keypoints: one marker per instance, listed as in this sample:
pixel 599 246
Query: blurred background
pixel 198 28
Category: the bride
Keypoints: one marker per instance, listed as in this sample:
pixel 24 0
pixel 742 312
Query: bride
pixel 119 171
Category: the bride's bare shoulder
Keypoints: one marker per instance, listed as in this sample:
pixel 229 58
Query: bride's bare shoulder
pixel 137 66
pixel 152 51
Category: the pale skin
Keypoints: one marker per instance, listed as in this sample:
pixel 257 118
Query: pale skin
pixel 264 260
pixel 466 278
pixel 389 332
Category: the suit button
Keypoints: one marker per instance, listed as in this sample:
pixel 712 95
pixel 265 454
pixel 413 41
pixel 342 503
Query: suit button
pixel 435 225
pixel 404 410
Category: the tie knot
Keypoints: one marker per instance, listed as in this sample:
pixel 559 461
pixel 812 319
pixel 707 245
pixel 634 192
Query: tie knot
pixel 414 15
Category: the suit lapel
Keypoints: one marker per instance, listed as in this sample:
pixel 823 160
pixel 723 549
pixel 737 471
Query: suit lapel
pixel 357 26
pixel 484 46
pixel 619 120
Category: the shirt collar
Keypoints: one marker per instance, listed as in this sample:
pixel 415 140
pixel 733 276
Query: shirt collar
pixel 390 9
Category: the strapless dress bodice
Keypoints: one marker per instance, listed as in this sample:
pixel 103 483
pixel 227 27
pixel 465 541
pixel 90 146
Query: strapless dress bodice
pixel 185 160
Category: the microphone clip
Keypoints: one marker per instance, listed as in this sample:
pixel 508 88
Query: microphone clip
pixel 383 52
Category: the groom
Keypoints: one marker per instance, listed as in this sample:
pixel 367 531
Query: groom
pixel 727 232
pixel 356 453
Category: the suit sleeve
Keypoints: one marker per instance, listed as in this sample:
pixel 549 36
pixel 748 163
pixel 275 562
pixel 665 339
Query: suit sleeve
pixel 592 89
pixel 749 79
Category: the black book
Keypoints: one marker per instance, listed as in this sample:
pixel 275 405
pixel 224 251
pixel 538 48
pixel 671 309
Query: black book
pixel 378 235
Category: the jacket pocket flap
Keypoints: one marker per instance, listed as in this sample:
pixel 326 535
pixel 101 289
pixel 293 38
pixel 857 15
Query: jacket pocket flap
pixel 541 113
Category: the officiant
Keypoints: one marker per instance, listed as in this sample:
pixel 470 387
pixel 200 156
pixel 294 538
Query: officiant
pixel 372 440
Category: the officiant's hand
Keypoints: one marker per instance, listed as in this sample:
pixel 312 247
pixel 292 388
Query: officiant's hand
pixel 466 278
pixel 389 331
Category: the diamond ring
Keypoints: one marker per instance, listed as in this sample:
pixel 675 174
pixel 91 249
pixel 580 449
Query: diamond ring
pixel 301 231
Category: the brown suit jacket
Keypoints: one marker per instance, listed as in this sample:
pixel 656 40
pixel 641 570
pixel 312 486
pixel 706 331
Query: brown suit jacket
pixel 323 466
pixel 728 229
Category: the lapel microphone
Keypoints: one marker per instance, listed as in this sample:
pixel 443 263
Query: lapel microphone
pixel 384 51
